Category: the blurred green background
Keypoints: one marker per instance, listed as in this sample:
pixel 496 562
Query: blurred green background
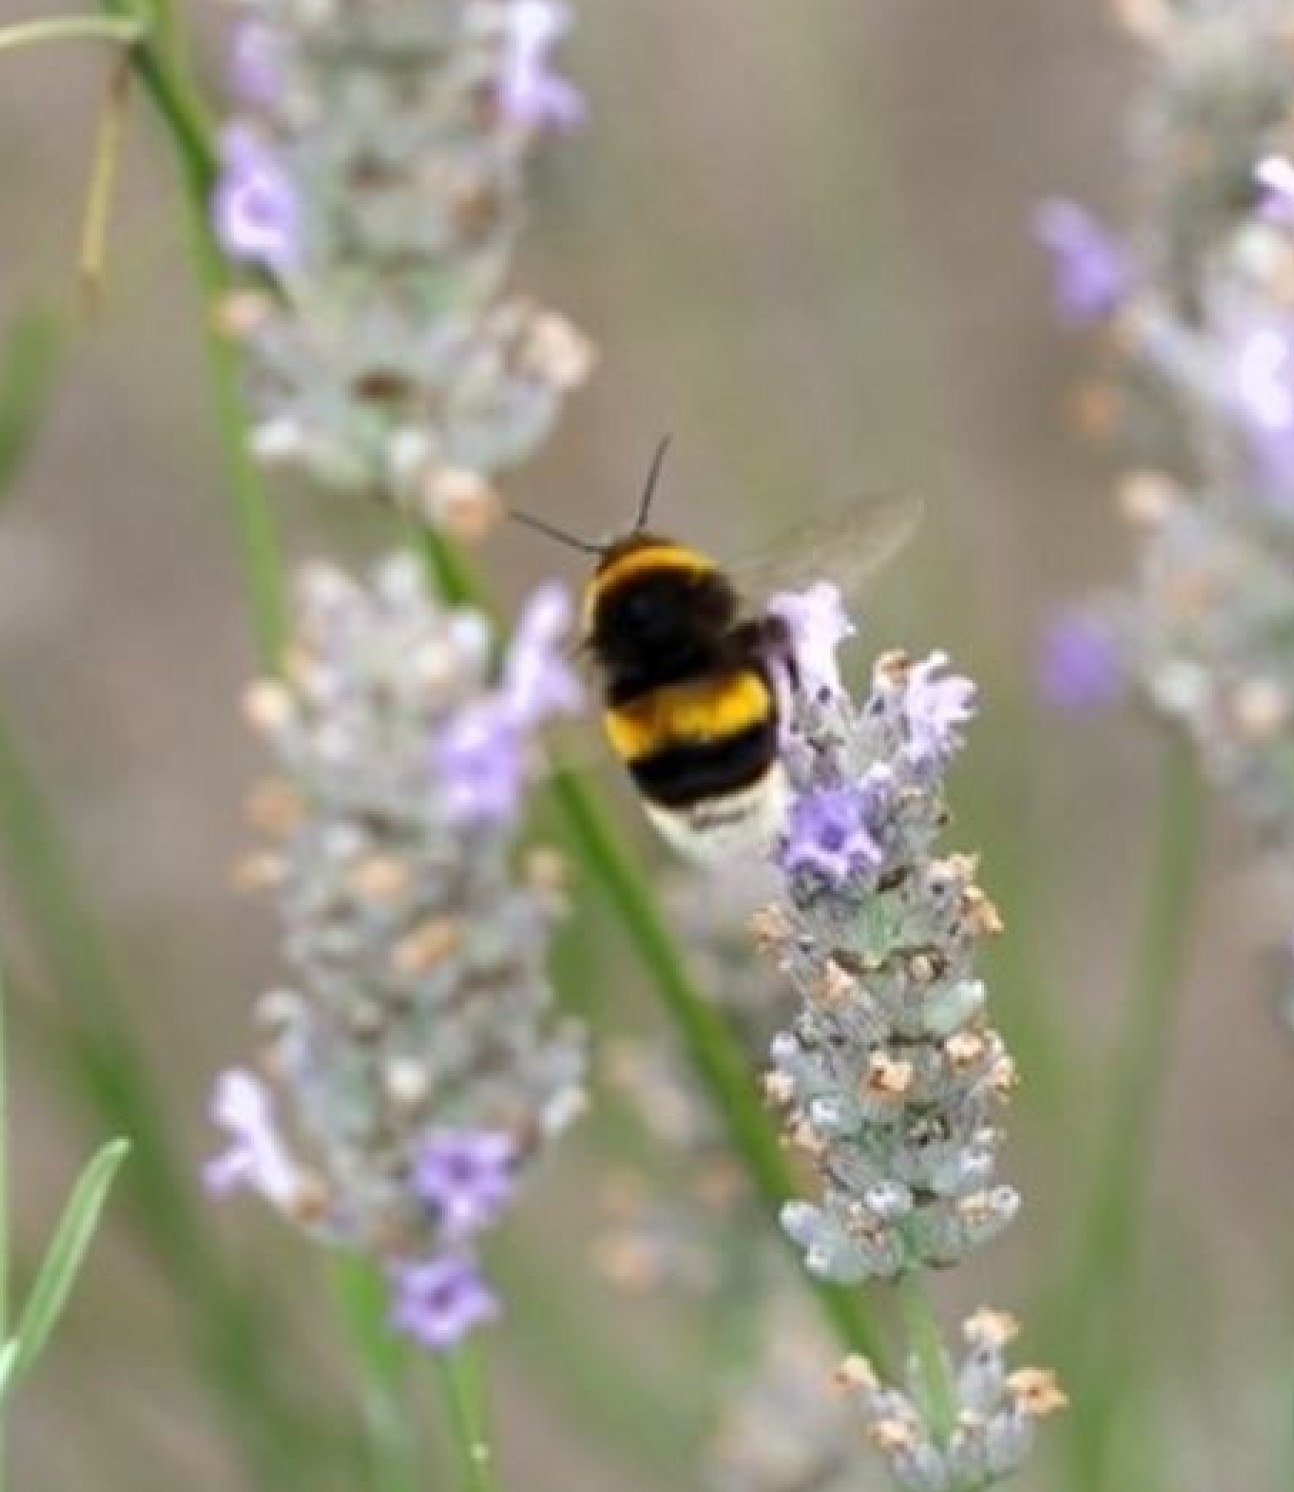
pixel 799 236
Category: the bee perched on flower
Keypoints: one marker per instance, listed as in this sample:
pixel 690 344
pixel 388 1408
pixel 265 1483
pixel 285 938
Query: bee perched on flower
pixel 416 1059
pixel 690 672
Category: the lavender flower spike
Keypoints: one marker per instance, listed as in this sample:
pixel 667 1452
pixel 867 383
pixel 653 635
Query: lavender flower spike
pixel 378 161
pixel 417 1058
pixel 890 1075
pixel 1207 362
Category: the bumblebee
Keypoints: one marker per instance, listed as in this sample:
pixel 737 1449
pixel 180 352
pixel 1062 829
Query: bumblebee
pixel 689 679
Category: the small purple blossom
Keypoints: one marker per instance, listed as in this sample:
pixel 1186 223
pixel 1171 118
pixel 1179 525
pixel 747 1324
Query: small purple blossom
pixel 255 209
pixel 256 64
pixel 467 1178
pixel 937 704
pixel 256 1157
pixel 817 625
pixel 1274 178
pixel 833 833
pixel 1258 381
pixel 538 680
pixel 480 764
pixel 530 93
pixel 1080 668
pixel 1092 272
pixel 440 1302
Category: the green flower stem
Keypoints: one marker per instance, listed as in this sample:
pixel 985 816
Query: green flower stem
pixel 392 1452
pixel 711 1046
pixel 4 1213
pixel 27 362
pixel 124 30
pixel 462 1384
pixel 180 110
pixel 174 97
pixel 926 1343
pixel 1098 1304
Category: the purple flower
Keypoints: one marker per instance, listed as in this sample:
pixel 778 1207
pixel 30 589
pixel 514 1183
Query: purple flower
pixel 1091 268
pixel 1258 369
pixel 255 208
pixel 538 680
pixel 530 93
pixel 832 833
pixel 466 1177
pixel 1274 177
pixel 480 764
pixel 256 1157
pixel 935 706
pixel 818 625
pixel 1080 668
pixel 255 64
pixel 441 1301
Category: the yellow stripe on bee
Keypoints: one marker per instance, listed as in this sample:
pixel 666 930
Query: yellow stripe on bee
pixel 648 559
pixel 686 714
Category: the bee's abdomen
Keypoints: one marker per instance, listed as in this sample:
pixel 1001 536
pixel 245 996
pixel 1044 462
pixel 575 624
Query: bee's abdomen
pixel 679 776
pixel 710 737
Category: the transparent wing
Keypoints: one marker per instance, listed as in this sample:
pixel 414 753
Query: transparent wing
pixel 847 546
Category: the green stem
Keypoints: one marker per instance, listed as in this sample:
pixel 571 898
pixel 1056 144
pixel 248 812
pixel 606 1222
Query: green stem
pixel 190 136
pixel 461 1381
pixel 175 100
pixel 4 1212
pixel 391 1452
pixel 70 28
pixel 27 364
pixel 925 1340
pixel 1101 1298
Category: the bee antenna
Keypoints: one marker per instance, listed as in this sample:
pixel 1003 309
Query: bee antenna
pixel 553 532
pixel 649 491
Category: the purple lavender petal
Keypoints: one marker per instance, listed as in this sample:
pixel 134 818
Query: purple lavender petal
pixel 467 1178
pixel 255 1156
pixel 831 832
pixel 1092 271
pixel 480 766
pixel 1274 178
pixel 538 680
pixel 1080 667
pixel 530 93
pixel 937 704
pixel 1258 375
pixel 254 209
pixel 255 64
pixel 442 1301
pixel 817 625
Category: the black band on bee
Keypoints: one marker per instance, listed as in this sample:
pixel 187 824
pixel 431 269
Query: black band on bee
pixel 681 775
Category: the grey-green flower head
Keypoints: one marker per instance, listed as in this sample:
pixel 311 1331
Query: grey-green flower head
pixel 890 1074
pixel 376 171
pixel 416 1066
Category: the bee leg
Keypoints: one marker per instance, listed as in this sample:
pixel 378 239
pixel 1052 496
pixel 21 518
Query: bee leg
pixel 768 638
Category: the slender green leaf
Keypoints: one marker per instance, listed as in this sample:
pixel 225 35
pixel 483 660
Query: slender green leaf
pixel 58 1270
pixel 26 379
pixel 8 1365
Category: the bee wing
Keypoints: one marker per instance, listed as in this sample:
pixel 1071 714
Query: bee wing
pixel 847 547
